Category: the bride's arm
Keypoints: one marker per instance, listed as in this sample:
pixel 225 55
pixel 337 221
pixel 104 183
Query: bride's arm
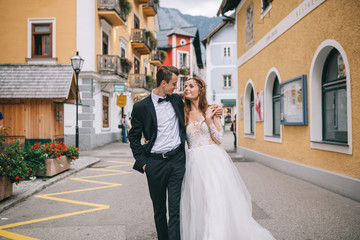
pixel 214 126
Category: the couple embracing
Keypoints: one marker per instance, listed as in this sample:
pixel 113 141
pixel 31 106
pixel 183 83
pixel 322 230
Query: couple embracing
pixel 208 201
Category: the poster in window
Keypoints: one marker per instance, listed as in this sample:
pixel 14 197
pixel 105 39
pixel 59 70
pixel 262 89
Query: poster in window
pixel 259 106
pixel 293 101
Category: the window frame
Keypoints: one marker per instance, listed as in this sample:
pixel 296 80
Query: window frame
pixel 329 86
pixel 41 60
pixel 180 53
pixel 106 108
pixel 33 25
pixel 315 99
pixel 249 131
pixel 226 51
pixel 227 86
pixel 265 11
pixel 275 99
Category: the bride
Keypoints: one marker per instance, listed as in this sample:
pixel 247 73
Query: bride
pixel 215 203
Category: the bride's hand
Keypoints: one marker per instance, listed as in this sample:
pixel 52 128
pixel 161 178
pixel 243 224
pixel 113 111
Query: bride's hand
pixel 209 114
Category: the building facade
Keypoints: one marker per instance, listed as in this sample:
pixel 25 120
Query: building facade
pixel 221 73
pixel 114 37
pixel 182 47
pixel 297 64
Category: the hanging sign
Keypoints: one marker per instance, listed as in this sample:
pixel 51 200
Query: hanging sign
pixel 121 101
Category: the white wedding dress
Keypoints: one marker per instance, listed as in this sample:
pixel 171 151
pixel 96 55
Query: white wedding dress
pixel 215 203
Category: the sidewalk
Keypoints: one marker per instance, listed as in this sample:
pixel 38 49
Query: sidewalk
pixel 28 188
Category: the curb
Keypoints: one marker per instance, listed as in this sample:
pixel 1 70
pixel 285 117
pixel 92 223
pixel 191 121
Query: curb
pixel 13 200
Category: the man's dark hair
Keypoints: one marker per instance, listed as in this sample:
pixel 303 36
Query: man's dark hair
pixel 165 73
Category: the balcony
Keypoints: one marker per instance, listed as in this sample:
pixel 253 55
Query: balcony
pixel 150 8
pixel 111 64
pixel 111 11
pixel 140 41
pixel 141 1
pixel 156 58
pixel 140 81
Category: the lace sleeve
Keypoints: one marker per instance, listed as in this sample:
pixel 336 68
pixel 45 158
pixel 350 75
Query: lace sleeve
pixel 218 135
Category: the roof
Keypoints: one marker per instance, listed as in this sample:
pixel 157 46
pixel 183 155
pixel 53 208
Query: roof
pixel 35 81
pixel 227 5
pixel 215 30
pixel 180 31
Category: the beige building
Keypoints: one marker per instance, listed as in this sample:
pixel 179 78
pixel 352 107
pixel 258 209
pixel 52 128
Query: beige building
pixel 298 70
pixel 114 37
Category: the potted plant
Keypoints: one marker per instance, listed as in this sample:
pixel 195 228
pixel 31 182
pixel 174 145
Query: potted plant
pixel 150 82
pixel 49 159
pixel 13 168
pixel 125 6
pixel 152 40
pixel 126 64
pixel 163 55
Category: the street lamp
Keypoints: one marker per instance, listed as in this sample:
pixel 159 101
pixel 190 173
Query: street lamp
pixel 76 63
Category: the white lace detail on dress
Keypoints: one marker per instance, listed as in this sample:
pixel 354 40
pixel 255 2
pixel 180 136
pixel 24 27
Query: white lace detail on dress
pixel 198 134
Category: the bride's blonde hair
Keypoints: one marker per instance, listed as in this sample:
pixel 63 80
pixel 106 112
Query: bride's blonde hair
pixel 203 103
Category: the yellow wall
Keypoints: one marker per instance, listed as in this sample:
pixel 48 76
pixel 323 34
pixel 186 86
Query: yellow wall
pixel 125 32
pixel 14 24
pixel 292 54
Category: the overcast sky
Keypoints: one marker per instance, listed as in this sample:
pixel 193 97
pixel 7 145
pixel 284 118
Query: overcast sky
pixel 206 8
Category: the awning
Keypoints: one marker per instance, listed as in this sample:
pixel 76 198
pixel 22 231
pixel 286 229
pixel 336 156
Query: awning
pixel 228 101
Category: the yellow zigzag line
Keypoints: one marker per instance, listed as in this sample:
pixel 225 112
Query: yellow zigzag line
pixel 50 196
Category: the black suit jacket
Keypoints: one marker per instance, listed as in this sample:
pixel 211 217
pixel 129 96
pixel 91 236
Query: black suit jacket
pixel 144 122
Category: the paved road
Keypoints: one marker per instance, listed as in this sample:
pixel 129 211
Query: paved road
pixel 110 201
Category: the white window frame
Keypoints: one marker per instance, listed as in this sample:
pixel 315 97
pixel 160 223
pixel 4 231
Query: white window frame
pixel 51 60
pixel 137 58
pixel 226 51
pixel 123 44
pixel 182 42
pixel 229 80
pixel 268 106
pixel 105 28
pixel 315 98
pixel 264 11
pixel 179 53
pixel 247 118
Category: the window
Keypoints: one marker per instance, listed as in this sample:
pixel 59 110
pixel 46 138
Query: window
pixel 182 42
pixel 41 40
pixel 183 60
pixel 249 25
pixel 227 81
pixel 105 44
pixel 122 52
pixel 226 52
pixel 136 22
pixel 182 83
pixel 105 111
pixel 252 112
pixel 334 107
pixel 136 65
pixel 276 107
pixel 264 5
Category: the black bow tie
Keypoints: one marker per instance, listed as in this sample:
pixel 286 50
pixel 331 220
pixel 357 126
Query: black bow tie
pixel 167 98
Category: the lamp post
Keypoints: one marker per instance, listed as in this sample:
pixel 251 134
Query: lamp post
pixel 77 63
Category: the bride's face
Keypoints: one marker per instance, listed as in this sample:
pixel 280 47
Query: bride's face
pixel 191 90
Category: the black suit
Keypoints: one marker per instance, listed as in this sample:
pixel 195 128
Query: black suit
pixel 163 174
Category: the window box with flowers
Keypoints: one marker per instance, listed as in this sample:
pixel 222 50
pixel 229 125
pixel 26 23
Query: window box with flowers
pixel 50 159
pixel 126 65
pixel 13 168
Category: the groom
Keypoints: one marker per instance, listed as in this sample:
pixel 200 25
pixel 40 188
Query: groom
pixel 160 118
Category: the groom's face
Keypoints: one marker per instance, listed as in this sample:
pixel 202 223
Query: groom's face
pixel 171 86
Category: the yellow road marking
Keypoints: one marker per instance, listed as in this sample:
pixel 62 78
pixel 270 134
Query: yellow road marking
pixel 50 196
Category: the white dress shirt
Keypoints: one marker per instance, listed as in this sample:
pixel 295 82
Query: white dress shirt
pixel 168 137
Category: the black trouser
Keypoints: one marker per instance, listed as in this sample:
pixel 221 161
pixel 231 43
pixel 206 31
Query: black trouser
pixel 166 174
pixel 234 139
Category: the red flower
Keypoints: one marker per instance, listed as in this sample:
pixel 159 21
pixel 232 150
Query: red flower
pixel 16 178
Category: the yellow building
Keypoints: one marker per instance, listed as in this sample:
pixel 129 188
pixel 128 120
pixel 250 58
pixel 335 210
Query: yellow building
pixel 298 70
pixel 114 37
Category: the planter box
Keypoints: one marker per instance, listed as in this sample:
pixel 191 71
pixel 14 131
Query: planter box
pixel 55 166
pixel 6 188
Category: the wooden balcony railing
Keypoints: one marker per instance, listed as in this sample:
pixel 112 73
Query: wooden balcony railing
pixel 156 58
pixel 111 64
pixel 112 12
pixel 140 41
pixel 150 8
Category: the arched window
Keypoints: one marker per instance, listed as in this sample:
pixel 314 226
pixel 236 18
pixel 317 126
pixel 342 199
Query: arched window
pixel 276 107
pixel 252 110
pixel 334 104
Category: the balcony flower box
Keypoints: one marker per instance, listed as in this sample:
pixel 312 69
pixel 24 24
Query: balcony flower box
pixel 6 187
pixel 54 166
